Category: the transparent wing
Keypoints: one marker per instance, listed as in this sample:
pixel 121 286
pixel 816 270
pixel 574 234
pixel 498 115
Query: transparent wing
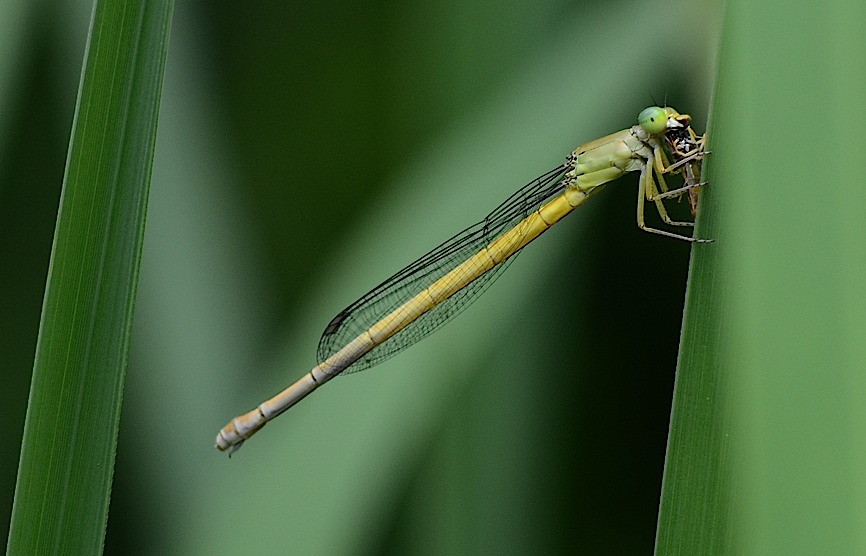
pixel 405 284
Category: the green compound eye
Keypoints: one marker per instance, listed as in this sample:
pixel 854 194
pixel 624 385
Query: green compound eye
pixel 653 120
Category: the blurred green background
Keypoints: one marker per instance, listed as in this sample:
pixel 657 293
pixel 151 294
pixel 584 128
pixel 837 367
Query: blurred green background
pixel 305 153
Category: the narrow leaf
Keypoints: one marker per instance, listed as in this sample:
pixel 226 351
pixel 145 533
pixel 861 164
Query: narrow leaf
pixel 67 458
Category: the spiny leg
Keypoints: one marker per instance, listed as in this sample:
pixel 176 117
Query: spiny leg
pixel 677 192
pixel 660 161
pixel 663 167
pixel 645 173
pixel 656 197
pixel 690 171
pixel 697 154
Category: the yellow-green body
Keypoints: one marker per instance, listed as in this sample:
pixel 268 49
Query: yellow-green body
pixel 592 165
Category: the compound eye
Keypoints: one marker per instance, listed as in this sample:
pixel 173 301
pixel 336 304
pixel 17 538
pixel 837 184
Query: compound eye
pixel 654 120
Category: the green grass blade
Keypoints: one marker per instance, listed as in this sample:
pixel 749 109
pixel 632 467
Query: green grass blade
pixel 765 452
pixel 67 458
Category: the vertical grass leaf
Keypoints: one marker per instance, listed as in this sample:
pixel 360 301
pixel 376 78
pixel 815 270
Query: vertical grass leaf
pixel 67 458
pixel 765 453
